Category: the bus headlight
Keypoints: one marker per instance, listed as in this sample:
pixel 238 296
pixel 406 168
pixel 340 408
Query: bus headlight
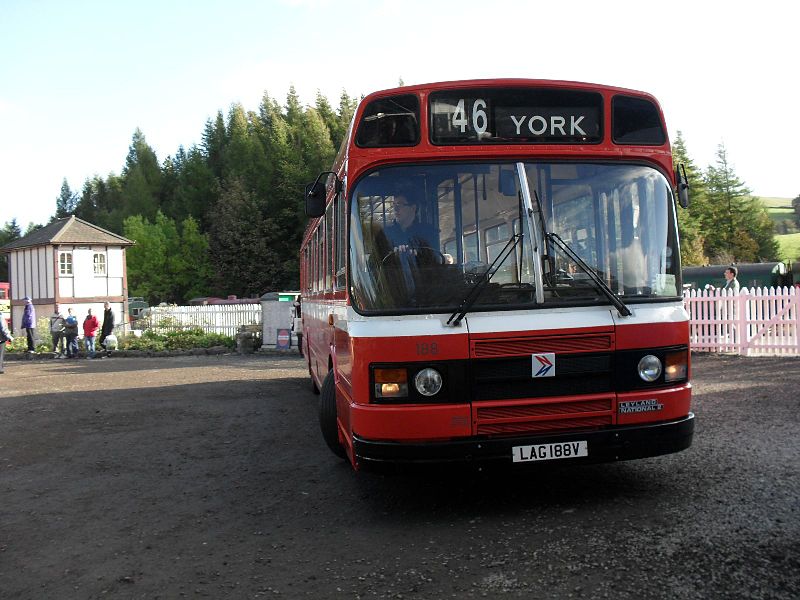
pixel 649 368
pixel 428 382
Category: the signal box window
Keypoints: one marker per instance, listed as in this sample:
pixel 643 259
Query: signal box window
pixel 99 264
pixel 65 263
pixel 636 121
pixel 390 121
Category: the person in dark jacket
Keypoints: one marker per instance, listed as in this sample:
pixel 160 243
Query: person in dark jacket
pixel 29 323
pixel 108 325
pixel 71 332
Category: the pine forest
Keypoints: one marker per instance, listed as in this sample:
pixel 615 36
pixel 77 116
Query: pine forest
pixel 226 217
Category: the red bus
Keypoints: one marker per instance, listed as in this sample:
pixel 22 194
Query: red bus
pixel 5 302
pixel 491 272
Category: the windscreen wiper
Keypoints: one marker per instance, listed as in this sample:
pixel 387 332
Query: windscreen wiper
pixel 598 281
pixel 475 290
pixel 382 115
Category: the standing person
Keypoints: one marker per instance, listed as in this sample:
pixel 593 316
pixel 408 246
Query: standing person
pixel 297 323
pixel 71 332
pixel 29 323
pixel 5 336
pixel 108 325
pixel 57 325
pixel 90 327
pixel 731 283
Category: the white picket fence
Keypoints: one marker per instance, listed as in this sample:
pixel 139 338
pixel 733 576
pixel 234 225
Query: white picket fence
pixel 755 322
pixel 214 318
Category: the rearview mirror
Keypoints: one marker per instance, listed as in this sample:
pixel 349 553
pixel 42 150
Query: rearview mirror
pixel 683 186
pixel 316 192
pixel 315 199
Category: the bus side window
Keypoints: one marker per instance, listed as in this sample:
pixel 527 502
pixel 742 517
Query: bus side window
pixel 341 241
pixel 329 229
pixel 318 256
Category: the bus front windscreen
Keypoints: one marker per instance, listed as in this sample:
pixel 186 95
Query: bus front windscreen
pixel 422 237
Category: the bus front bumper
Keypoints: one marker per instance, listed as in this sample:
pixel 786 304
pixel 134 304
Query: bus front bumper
pixel 606 445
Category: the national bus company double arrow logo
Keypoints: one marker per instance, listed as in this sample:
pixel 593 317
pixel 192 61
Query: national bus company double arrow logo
pixel 544 365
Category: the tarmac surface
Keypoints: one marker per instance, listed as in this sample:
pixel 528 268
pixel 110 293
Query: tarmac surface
pixel 206 476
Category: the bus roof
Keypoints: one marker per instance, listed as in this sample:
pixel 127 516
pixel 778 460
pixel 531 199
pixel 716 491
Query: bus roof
pixel 625 123
pixel 532 119
pixel 508 82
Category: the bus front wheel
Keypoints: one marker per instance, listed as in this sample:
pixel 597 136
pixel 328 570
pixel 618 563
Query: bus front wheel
pixel 327 416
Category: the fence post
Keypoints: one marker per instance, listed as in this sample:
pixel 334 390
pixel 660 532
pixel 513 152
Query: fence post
pixel 795 301
pixel 742 328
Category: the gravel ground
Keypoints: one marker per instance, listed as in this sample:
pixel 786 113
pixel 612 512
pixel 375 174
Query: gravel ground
pixel 206 476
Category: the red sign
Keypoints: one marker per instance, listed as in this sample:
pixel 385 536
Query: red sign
pixel 284 339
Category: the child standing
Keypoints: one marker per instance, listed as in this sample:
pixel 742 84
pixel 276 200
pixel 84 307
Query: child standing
pixel 90 327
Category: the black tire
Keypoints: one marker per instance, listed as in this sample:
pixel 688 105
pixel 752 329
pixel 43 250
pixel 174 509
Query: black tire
pixel 327 416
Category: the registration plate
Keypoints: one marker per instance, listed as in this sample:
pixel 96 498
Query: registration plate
pixel 557 451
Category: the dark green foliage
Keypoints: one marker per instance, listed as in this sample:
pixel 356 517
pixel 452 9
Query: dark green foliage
pixel 8 234
pixel 243 242
pixel 66 202
pixel 167 263
pixel 222 218
pixel 150 341
pixel 737 226
pixel 724 223
pixel 226 217
pixel 690 223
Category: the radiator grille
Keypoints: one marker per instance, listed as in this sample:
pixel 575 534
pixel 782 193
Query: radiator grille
pixel 545 416
pixel 542 426
pixel 546 409
pixel 515 347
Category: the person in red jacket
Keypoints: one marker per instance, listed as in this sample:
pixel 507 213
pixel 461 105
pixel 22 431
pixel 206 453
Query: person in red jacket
pixel 90 327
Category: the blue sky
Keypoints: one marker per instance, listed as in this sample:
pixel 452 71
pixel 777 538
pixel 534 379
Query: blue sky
pixel 77 78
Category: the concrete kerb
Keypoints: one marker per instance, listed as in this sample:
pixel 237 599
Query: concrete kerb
pixel 213 351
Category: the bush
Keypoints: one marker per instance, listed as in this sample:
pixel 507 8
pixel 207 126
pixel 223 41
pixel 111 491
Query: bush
pixel 41 338
pixel 185 339
pixel 148 342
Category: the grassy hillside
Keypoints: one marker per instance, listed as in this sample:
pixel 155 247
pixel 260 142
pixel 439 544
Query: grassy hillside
pixel 777 202
pixel 790 246
pixel 786 226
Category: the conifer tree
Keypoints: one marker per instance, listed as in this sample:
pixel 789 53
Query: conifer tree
pixel 214 143
pixel 66 202
pixel 294 109
pixel 8 234
pixel 345 112
pixel 739 229
pixel 193 275
pixel 240 254
pixel 690 220
pixel 141 180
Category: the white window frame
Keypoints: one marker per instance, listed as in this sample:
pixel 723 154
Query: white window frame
pixel 65 264
pixel 99 264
